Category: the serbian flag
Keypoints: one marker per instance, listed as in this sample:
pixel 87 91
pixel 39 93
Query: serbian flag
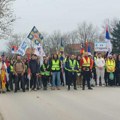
pixel 14 49
pixel 107 39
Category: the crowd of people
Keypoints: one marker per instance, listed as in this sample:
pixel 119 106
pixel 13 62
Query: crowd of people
pixel 89 70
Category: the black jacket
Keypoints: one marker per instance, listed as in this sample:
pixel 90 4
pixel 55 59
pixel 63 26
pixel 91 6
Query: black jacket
pixel 34 66
pixel 118 67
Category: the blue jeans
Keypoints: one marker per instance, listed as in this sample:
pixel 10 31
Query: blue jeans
pixel 56 78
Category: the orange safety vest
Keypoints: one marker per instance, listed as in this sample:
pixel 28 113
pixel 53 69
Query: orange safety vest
pixel 86 63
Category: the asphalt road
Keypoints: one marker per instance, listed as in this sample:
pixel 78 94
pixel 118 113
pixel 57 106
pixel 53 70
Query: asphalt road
pixel 98 104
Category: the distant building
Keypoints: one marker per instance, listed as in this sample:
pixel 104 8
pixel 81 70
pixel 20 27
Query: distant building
pixel 75 48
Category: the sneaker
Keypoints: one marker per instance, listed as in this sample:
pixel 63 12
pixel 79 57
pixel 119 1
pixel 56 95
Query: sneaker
pixel 35 89
pixel 58 88
pixel 52 88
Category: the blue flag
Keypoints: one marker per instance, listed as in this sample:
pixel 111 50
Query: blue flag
pixel 107 39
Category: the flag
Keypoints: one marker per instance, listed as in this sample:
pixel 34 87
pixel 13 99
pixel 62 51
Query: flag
pixel 14 49
pixel 89 49
pixel 86 45
pixel 35 36
pixel 39 50
pixel 61 42
pixel 22 48
pixel 61 47
pixel 107 39
pixel 82 50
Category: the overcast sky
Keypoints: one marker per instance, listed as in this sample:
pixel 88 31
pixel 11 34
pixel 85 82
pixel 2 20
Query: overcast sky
pixel 63 15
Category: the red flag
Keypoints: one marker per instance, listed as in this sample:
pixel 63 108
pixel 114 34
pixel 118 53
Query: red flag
pixel 86 45
pixel 82 51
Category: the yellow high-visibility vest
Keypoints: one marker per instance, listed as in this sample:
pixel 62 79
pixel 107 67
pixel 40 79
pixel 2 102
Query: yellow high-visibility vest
pixel 11 68
pixel 110 65
pixel 56 65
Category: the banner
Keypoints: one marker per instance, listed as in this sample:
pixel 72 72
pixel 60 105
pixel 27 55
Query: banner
pixel 100 47
pixel 35 36
pixel 22 48
pixel 39 50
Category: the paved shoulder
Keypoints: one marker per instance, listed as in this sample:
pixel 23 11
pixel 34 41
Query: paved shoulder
pixel 1 117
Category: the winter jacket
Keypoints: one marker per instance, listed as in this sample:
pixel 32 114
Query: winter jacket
pixel 19 67
pixel 34 67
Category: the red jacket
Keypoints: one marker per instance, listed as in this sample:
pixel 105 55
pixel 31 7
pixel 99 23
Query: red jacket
pixel 91 62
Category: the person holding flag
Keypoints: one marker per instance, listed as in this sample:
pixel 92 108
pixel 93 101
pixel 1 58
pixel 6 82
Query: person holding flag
pixel 3 77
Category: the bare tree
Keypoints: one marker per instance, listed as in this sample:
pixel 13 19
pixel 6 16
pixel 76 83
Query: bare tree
pixel 52 42
pixel 87 32
pixel 6 17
